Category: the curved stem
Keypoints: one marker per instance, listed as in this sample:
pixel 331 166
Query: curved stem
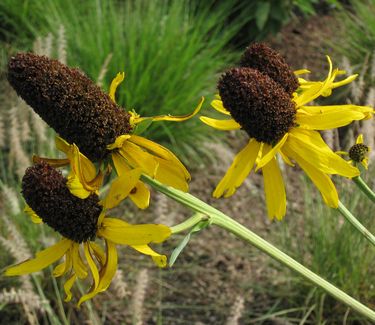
pixel 188 223
pixel 356 224
pixel 220 219
pixel 364 187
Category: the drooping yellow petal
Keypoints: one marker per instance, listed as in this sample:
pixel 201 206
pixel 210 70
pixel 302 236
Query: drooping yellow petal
pixel 76 187
pixel 320 179
pixel 114 84
pixel 329 117
pixel 34 217
pixel 218 105
pixel 99 253
pixel 64 267
pixel 92 265
pixel 62 145
pixel 171 117
pixel 121 187
pixel 120 232
pixel 78 265
pixel 344 81
pixel 271 153
pixel 242 164
pixel 301 71
pixel 42 259
pixel 106 274
pixel 309 145
pixel 274 187
pixel 119 142
pixel 225 125
pixel 138 157
pixel 359 139
pixel 160 260
pixel 169 174
pixel 160 151
pixel 51 161
pixel 140 195
pixel 68 287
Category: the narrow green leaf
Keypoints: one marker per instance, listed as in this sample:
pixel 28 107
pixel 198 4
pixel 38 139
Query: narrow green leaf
pixel 262 13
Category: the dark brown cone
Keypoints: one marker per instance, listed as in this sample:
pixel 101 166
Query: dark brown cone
pixel 358 152
pixel 259 104
pixel 45 191
pixel 261 57
pixel 78 110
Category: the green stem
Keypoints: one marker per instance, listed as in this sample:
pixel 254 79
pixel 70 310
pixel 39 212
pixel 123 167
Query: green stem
pixel 220 219
pixel 188 223
pixel 356 224
pixel 364 187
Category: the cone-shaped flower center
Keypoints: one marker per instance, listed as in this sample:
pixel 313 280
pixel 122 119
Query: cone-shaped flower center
pixel 259 104
pixel 358 152
pixel 78 110
pixel 266 60
pixel 45 191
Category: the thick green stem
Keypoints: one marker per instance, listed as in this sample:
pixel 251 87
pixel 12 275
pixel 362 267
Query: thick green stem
pixel 220 219
pixel 356 224
pixel 364 187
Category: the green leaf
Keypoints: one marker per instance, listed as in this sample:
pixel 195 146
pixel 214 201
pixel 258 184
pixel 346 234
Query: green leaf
pixel 262 13
pixel 142 126
pixel 177 251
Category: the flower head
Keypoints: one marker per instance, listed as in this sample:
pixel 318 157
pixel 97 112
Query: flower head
pixel 261 98
pixel 80 222
pixel 91 126
pixel 358 153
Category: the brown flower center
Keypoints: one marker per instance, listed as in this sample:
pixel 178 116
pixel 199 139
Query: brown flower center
pixel 259 104
pixel 78 110
pixel 358 152
pixel 45 191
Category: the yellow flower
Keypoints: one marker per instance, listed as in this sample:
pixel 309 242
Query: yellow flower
pixel 80 221
pixel 282 125
pixel 358 153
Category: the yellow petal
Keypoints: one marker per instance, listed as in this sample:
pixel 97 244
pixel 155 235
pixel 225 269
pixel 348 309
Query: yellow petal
pixel 344 81
pixel 76 187
pixel 329 117
pixel 271 153
pixel 359 139
pixel 92 265
pixel 114 84
pixel 106 274
pixel 309 145
pixel 43 259
pixel 121 187
pixel 159 151
pixel 68 286
pixel 160 260
pixel 64 267
pixel 120 232
pixel 34 217
pixel 274 189
pixel 225 125
pixel 138 157
pixel 118 142
pixel 242 164
pixel 301 71
pixel 218 105
pixel 320 179
pixel 51 161
pixel 286 158
pixel 99 253
pixel 171 117
pixel 171 175
pixel 140 195
pixel 62 145
pixel 78 265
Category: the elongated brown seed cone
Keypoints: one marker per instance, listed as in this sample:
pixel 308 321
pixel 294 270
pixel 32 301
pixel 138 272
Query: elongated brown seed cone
pixel 266 60
pixel 259 104
pixel 45 191
pixel 77 109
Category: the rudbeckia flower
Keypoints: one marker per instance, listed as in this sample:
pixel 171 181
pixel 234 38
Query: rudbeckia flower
pixel 358 153
pixel 264 98
pixel 80 222
pixel 83 115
